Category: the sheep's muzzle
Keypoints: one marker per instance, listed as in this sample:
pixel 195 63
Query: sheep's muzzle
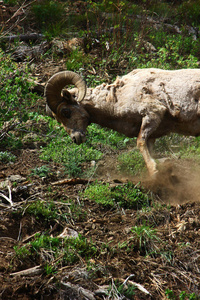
pixel 78 137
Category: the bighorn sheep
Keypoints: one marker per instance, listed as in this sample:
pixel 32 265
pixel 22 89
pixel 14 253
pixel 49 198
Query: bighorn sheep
pixel 146 103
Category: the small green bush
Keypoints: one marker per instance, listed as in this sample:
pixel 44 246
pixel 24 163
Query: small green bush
pixel 126 195
pixel 7 156
pixel 15 95
pixel 68 250
pixel 40 209
pixel 145 238
pixel 131 162
pixel 42 171
pixel 49 16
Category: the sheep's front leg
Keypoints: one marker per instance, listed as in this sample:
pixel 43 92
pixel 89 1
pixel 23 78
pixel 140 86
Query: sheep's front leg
pixel 142 144
pixel 144 141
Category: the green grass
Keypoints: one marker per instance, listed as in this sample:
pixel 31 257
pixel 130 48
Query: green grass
pixel 131 162
pixel 125 195
pixel 42 171
pixel 6 156
pixel 145 237
pixel 15 92
pixel 43 210
pixel 62 150
pixel 49 16
pixel 56 252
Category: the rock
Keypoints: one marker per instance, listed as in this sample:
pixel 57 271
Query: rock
pixel 16 178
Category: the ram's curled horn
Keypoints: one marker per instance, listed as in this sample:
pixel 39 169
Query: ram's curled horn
pixel 57 82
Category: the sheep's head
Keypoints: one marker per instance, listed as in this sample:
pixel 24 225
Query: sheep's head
pixel 63 105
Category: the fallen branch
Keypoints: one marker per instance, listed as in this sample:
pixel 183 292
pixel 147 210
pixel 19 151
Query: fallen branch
pixel 70 181
pixel 8 127
pixel 28 272
pixel 80 291
pixel 9 198
pixel 24 37
pixel 137 285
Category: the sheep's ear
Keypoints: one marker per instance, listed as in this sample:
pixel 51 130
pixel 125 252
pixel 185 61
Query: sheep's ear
pixel 68 97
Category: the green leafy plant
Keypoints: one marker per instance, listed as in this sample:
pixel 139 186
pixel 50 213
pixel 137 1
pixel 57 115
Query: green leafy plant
pixel 22 252
pixel 72 158
pixel 49 16
pixel 16 97
pixel 145 238
pixel 68 250
pixel 76 155
pixel 6 156
pixel 40 209
pixel 12 142
pixel 131 162
pixel 127 290
pixel 182 296
pixel 99 135
pixel 42 171
pixel 15 90
pixel 127 195
pixel 49 269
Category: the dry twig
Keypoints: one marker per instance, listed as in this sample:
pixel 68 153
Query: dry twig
pixel 9 198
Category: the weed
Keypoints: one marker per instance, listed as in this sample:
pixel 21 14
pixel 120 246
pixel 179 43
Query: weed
pixel 7 156
pixel 131 162
pixel 43 210
pixel 49 16
pixel 71 159
pixel 127 290
pixel 49 269
pixel 11 142
pixel 42 171
pixel 45 242
pixel 145 238
pixel 64 251
pixel 170 294
pixel 76 60
pixel 126 196
pixel 111 138
pixel 22 252
pixel 167 256
pixel 100 193
pixel 182 296
pixel 15 97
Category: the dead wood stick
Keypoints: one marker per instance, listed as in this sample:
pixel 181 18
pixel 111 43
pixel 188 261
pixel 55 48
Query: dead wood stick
pixel 137 285
pixel 79 290
pixel 8 128
pixel 24 37
pixel 20 10
pixel 28 272
pixel 9 199
pixel 70 181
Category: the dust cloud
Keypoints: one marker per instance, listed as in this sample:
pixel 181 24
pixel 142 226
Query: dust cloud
pixel 177 182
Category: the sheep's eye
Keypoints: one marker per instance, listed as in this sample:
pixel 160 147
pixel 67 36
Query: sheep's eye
pixel 66 113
